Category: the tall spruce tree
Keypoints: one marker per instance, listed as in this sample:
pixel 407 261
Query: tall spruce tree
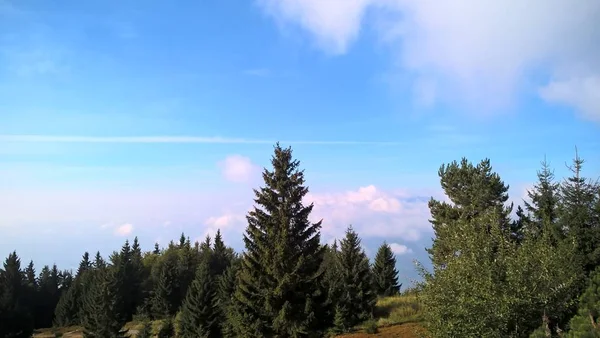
pixel 227 286
pixel 357 299
pixel 473 190
pixel 102 315
pixel 587 321
pixel 385 274
pixel 166 296
pixel 576 214
pixel 332 282
pixel 16 320
pixel 200 313
pixel 67 309
pixel 277 292
pixel 543 205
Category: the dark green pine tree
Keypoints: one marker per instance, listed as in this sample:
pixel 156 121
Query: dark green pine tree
pixel 357 299
pixel 66 313
pixel 156 249
pixel 200 312
pixel 543 206
pixel 84 265
pixel 48 296
pixel 138 276
pixel 32 288
pixel 16 320
pixel 30 276
pixel 587 321
pixel 186 266
pixel 576 214
pixel 278 289
pixel 146 330
pixel 332 283
pixel 227 285
pixel 99 262
pixel 166 295
pixel 385 275
pixel 221 256
pixel 102 315
pixel 473 191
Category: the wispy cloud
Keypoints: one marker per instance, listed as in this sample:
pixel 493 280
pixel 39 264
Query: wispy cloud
pixel 173 139
pixel 259 72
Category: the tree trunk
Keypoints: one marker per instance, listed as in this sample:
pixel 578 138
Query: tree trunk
pixel 546 321
pixel 593 321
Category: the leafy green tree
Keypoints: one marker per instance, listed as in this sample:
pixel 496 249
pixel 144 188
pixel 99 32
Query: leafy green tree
pixel 385 274
pixel 586 323
pixel 167 329
pixel 543 278
pixel 277 292
pixel 357 299
pixel 146 330
pixel 200 312
pixel 469 295
pixel 102 315
pixel 473 190
pixel 16 320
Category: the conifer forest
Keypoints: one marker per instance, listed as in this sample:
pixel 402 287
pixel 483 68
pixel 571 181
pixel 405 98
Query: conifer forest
pixel 496 270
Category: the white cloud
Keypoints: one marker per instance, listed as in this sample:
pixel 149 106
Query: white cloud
pixel 334 23
pixel 400 249
pixel 238 168
pixel 124 230
pixel 582 92
pixel 479 51
pixel 372 213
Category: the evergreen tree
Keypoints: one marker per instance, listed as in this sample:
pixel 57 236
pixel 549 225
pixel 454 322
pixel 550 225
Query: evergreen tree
pixel 156 249
pixel 357 299
pixel 48 296
pixel 277 292
pixel 16 320
pixel 186 266
pixel 166 295
pixel 146 331
pixel 586 324
pixel 543 208
pixel 200 312
pixel 385 274
pixel 30 276
pixel 84 265
pixel 576 214
pixel 227 286
pixel 332 284
pixel 473 190
pixel 102 315
pixel 67 309
pixel 138 275
pixel 221 256
pixel 99 262
pixel 167 329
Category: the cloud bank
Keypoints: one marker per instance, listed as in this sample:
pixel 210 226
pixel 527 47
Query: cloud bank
pixel 484 52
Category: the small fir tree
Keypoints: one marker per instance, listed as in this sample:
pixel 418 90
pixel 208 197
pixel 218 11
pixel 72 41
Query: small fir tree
pixel 200 312
pixel 385 274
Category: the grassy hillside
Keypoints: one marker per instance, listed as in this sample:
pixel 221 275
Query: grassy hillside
pixel 397 316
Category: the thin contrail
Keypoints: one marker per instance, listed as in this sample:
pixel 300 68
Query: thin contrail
pixel 171 139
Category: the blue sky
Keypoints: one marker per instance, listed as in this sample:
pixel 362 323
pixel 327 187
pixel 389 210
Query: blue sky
pixel 118 119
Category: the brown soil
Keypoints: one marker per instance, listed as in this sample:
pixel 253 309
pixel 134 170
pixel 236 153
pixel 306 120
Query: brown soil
pixel 408 330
